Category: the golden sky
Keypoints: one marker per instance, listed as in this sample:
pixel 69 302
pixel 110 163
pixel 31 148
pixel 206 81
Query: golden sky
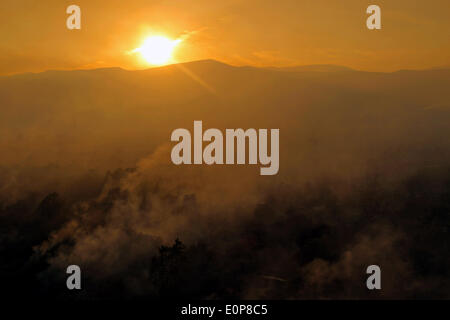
pixel 415 33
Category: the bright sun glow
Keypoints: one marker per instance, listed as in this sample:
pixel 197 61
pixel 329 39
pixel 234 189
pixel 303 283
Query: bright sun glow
pixel 157 50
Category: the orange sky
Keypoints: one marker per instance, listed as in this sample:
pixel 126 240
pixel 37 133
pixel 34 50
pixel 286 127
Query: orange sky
pixel 415 33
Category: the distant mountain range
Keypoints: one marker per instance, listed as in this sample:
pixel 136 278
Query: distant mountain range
pixel 210 63
pixel 112 117
pixel 315 68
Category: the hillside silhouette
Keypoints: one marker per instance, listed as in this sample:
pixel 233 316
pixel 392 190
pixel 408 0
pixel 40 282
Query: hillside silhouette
pixel 112 117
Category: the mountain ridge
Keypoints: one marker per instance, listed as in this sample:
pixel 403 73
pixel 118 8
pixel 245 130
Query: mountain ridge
pixel 313 68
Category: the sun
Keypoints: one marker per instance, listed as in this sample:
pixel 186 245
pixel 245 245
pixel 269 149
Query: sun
pixel 157 50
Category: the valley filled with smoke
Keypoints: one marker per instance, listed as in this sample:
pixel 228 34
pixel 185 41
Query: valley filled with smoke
pixel 86 179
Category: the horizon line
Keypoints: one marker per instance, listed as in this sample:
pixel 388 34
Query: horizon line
pixel 270 68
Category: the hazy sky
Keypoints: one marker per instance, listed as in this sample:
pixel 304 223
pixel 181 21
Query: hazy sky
pixel 415 33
